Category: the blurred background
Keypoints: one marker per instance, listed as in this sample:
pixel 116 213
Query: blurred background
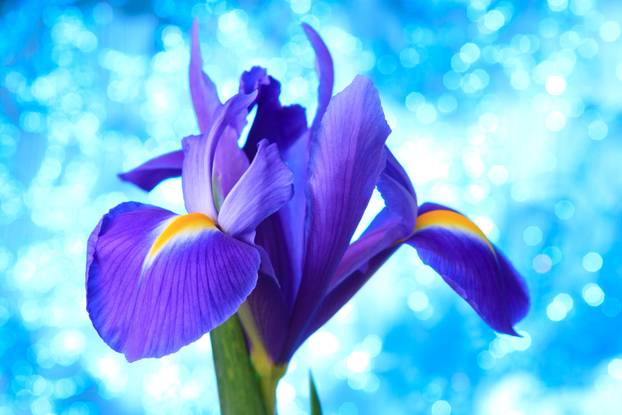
pixel 506 110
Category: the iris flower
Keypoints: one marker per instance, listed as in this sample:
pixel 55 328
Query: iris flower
pixel 269 228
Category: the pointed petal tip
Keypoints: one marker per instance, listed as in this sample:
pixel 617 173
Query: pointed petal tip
pixel 194 31
pixel 308 29
pixel 195 48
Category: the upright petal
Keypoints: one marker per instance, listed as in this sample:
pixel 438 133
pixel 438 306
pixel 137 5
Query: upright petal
pixel 346 160
pixel 324 63
pixel 261 191
pixel 282 234
pixel 460 252
pixel 273 122
pixel 157 281
pixel 149 174
pixel 230 163
pixel 253 79
pixel 202 89
pixel 199 153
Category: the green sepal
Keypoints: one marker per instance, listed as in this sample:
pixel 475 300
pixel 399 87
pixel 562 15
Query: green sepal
pixel 316 407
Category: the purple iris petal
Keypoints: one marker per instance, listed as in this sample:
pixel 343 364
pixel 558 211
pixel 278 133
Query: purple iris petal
pixel 157 281
pixel 253 79
pixel 270 315
pixel 325 71
pixel 381 239
pixel 471 265
pixel 261 191
pixel 230 163
pixel 278 124
pixel 395 171
pixel 148 175
pixel 346 160
pixel 394 224
pixel 199 152
pixel 202 89
pixel 282 234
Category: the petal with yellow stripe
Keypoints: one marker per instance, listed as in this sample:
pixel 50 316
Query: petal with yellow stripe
pixel 460 252
pixel 157 281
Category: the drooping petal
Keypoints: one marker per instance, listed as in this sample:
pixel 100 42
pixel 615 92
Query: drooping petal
pixel 347 158
pixel 157 281
pixel 261 191
pixel 273 122
pixel 460 252
pixel 324 66
pixel 199 153
pixel 202 89
pixel 149 174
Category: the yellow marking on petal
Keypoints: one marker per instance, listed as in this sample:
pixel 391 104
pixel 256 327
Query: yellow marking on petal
pixel 450 219
pixel 180 225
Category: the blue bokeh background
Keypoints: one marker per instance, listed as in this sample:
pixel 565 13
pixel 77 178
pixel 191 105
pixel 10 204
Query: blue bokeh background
pixel 506 110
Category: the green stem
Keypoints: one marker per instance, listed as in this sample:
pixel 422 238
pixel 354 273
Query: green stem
pixel 269 373
pixel 268 379
pixel 239 391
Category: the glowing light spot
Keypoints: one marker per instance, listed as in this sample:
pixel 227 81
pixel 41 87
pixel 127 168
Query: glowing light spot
pixel 418 301
pixel 559 308
pixel 469 53
pixel 542 263
pixel 447 103
pixel 610 31
pixel 300 6
pixel 592 262
pixel 358 361
pixel 555 85
pixel 558 5
pixel 614 368
pixel 597 130
pixel 233 22
pixel 440 407
pixel 323 343
pixel 532 235
pixel 409 57
pixel 593 295
pixel 564 209
pixel 555 121
pixel 494 20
